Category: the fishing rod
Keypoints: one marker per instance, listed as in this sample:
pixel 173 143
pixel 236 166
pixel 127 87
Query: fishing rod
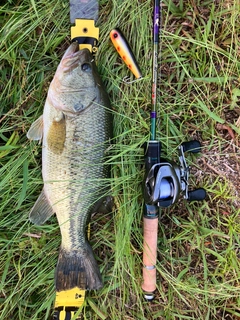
pixel 164 180
pixel 152 156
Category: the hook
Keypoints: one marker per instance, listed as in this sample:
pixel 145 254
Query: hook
pixel 127 80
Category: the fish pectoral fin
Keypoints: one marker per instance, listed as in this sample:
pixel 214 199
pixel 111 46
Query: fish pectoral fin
pixel 56 135
pixel 41 210
pixel 36 130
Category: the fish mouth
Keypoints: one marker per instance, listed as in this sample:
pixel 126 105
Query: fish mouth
pixel 73 57
pixel 75 46
pixel 85 55
pixel 74 49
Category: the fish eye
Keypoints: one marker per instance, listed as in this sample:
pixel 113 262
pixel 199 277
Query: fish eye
pixel 86 67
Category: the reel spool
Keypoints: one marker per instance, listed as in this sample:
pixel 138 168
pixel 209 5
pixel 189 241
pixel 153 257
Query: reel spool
pixel 165 179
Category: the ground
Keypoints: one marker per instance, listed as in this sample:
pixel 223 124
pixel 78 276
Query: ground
pixel 198 267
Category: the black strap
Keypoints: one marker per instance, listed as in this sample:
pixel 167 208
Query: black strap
pixel 86 40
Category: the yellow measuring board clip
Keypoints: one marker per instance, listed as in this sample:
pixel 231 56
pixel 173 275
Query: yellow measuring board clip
pixel 86 34
pixel 68 302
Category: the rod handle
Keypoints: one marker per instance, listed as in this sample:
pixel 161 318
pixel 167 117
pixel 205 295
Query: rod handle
pixel 150 234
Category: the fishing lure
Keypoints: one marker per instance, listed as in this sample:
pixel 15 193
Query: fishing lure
pixel 125 52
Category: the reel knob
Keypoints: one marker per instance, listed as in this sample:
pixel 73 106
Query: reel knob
pixel 193 146
pixel 197 195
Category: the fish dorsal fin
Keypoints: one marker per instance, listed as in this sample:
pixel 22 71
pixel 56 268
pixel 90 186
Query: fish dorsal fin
pixel 41 210
pixel 36 130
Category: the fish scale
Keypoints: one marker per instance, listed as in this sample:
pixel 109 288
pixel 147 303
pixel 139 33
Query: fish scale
pixel 76 132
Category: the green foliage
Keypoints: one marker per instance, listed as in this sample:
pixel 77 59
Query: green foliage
pixel 198 258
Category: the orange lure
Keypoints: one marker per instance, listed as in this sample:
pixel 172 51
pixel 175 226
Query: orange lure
pixel 122 47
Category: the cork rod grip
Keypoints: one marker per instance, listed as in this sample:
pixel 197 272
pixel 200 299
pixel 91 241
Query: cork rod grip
pixel 150 233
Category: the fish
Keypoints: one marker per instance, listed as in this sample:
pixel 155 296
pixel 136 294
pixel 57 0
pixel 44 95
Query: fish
pixel 125 52
pixel 76 133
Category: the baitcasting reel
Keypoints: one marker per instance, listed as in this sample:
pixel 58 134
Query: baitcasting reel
pixel 166 180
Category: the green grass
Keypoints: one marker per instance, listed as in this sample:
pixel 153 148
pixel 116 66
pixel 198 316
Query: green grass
pixel 198 258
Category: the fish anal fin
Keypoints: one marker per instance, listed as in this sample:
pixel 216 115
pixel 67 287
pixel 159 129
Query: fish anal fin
pixel 36 130
pixel 41 210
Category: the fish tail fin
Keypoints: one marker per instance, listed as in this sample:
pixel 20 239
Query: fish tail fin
pixel 77 268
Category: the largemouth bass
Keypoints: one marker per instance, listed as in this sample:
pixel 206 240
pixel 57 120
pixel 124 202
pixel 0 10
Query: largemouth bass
pixel 75 129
